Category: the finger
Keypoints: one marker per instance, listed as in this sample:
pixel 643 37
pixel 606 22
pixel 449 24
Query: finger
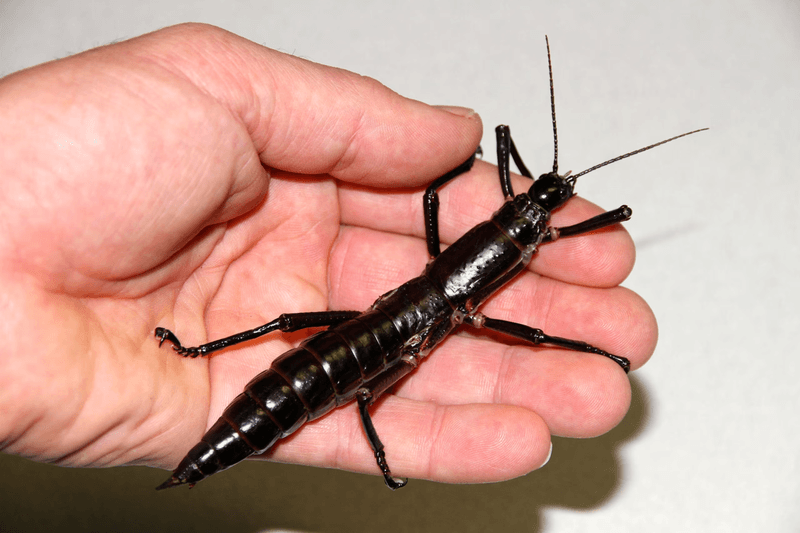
pixel 577 394
pixel 455 444
pixel 308 118
pixel 603 258
pixel 365 264
pixel 614 319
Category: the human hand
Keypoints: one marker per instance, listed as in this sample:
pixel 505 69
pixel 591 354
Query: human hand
pixel 194 180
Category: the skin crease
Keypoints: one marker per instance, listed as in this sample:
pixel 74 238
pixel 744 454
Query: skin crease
pixel 192 179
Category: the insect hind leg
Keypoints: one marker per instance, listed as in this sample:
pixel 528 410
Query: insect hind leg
pixel 365 396
pixel 537 336
pixel 285 322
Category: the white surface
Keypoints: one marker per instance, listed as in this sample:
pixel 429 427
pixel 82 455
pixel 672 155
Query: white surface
pixel 718 256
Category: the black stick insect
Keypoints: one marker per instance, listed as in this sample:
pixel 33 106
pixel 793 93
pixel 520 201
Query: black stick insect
pixel 362 354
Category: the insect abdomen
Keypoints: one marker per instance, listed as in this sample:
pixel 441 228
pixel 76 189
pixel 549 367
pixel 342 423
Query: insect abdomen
pixel 302 384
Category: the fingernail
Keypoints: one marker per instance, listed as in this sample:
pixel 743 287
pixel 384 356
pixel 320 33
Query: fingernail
pixel 549 455
pixel 457 110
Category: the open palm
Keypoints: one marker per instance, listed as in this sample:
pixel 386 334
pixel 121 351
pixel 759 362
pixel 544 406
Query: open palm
pixel 194 180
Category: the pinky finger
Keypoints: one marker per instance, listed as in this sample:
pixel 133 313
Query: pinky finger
pixel 473 443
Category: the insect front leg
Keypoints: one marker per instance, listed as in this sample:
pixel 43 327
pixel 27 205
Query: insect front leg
pixel 430 204
pixel 537 336
pixel 286 322
pixel 603 220
pixel 365 396
pixel 507 150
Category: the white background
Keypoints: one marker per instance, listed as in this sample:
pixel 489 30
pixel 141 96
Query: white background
pixel 712 440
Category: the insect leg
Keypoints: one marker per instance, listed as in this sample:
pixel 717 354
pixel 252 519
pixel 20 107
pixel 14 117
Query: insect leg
pixel 285 322
pixel 365 396
pixel 609 218
pixel 430 204
pixel 507 150
pixel 537 336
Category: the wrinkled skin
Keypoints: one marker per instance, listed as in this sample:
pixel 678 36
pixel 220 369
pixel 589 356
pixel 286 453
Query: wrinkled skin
pixel 195 180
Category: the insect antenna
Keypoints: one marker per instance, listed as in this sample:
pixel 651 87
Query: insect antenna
pixel 574 177
pixel 552 108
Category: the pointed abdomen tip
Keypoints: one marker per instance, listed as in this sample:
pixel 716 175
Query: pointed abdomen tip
pixel 171 482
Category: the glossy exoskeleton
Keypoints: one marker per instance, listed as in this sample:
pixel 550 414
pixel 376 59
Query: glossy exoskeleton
pixel 362 354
